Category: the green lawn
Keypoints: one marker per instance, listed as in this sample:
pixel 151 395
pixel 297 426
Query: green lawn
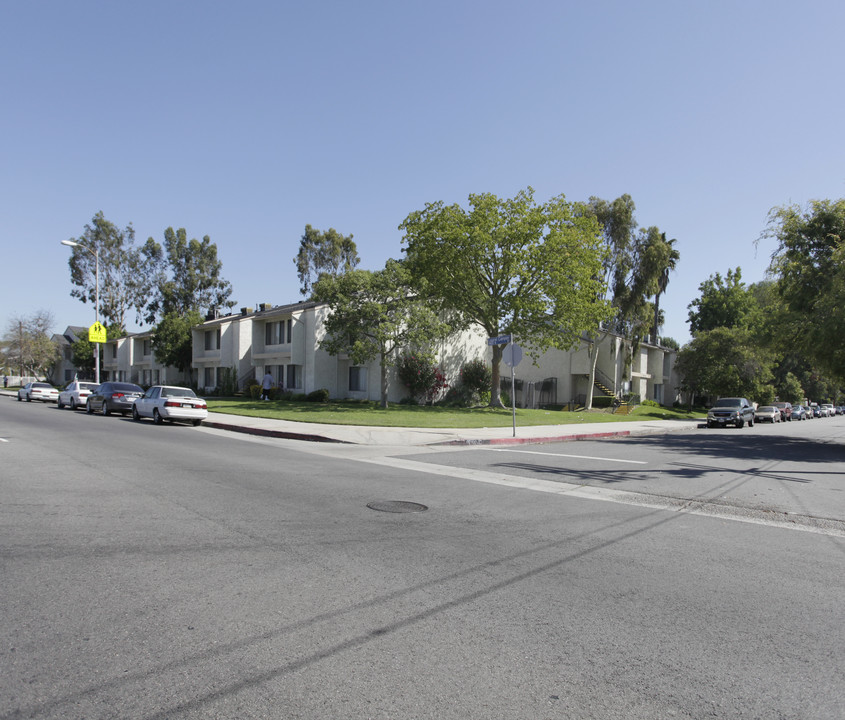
pixel 370 414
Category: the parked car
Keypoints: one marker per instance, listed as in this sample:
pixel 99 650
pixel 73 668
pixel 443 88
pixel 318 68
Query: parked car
pixel 731 411
pixel 113 397
pixel 785 410
pixel 166 402
pixel 75 394
pixel 828 409
pixel 816 410
pixel 38 391
pixel 767 413
pixel 799 412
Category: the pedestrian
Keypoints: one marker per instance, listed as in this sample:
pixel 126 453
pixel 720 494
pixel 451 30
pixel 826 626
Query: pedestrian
pixel 5 381
pixel 266 385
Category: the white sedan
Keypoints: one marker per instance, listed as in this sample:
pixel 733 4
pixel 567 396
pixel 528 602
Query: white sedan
pixel 166 402
pixel 38 391
pixel 76 393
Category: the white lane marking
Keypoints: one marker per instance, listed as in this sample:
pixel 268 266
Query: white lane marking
pixel 3 440
pixel 587 492
pixel 579 457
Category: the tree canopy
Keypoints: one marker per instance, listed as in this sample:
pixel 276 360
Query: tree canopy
pixel 323 253
pixel 511 266
pixel 27 345
pixel 119 278
pixel 724 303
pixel 375 315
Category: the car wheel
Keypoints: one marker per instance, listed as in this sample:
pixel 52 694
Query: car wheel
pixel 89 408
pixel 157 419
pixel 105 409
pixel 197 423
pixel 72 404
pixel 59 404
pixel 740 423
pixel 751 422
pixel 135 414
pixel 29 398
pixel 20 399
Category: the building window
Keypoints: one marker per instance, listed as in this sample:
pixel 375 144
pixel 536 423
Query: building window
pixel 357 379
pixel 146 347
pixel 208 378
pixel 290 329
pixel 212 339
pixel 114 351
pixel 156 377
pixel 274 333
pixel 294 377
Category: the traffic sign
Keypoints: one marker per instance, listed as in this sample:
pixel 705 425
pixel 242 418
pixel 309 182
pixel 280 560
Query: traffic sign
pixel 512 355
pixel 97 333
pixel 501 340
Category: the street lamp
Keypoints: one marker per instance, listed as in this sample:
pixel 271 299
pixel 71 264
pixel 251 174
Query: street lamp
pixel 74 244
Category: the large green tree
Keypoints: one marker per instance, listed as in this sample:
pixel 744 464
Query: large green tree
pixel 172 340
pixel 726 361
pixel 511 266
pixel 724 303
pixel 120 281
pixel 182 276
pixel 323 253
pixel 809 265
pixel 375 315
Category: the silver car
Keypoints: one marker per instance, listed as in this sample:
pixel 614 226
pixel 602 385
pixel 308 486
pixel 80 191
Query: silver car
pixel 113 397
pixel 38 391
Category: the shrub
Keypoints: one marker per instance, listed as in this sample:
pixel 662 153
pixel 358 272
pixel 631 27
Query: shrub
pixel 421 376
pixel 650 403
pixel 320 396
pixel 476 376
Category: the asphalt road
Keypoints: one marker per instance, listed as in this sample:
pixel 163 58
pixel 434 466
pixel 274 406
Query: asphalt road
pixel 179 572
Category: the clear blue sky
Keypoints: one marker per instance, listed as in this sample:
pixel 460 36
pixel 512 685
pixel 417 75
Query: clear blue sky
pixel 245 121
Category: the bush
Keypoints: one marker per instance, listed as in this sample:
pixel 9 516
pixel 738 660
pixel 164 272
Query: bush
pixel 319 396
pixel 650 403
pixel 421 376
pixel 476 376
pixel 602 401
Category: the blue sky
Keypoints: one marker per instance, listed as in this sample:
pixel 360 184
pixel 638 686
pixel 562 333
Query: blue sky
pixel 245 121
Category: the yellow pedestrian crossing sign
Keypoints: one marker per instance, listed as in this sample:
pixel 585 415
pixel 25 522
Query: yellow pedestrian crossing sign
pixel 97 333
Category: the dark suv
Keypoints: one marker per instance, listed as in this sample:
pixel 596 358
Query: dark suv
pixel 731 411
pixel 114 397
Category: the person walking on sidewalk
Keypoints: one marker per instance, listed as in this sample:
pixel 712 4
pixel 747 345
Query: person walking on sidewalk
pixel 266 385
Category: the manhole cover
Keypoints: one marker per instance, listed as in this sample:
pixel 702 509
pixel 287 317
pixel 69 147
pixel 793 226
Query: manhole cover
pixel 396 506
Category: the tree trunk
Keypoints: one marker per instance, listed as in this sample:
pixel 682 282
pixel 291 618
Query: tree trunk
pixel 495 389
pixel 384 384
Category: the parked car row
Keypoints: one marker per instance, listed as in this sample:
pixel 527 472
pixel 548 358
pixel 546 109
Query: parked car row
pixel 738 411
pixel 159 403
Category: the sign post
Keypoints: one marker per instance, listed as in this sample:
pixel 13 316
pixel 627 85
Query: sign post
pixel 512 356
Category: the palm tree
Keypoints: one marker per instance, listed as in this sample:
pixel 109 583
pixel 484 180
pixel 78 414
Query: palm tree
pixel 670 260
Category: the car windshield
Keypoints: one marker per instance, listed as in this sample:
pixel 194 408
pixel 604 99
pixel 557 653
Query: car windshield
pixel 88 386
pixel 766 408
pixel 729 402
pixel 177 392
pixel 41 385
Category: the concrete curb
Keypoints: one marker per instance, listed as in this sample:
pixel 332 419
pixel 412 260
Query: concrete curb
pixel 535 440
pixel 264 432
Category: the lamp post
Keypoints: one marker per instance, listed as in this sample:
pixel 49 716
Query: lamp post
pixel 74 244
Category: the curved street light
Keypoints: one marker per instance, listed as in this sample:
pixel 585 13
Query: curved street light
pixel 74 244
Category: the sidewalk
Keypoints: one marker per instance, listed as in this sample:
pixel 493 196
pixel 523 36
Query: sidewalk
pixel 358 435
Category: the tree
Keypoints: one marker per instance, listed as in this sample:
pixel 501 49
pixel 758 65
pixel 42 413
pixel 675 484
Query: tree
pixel 83 356
pixel 119 279
pixel 809 265
pixel 511 266
pixel 374 315
pixel 323 253
pixel 724 303
pixel 172 340
pixel 725 361
pixel 28 346
pixel 183 276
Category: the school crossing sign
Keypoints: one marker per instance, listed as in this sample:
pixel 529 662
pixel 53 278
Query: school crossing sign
pixel 97 333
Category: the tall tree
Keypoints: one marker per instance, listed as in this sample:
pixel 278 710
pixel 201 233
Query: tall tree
pixel 323 253
pixel 809 265
pixel 172 340
pixel 119 287
pixel 376 315
pixel 724 303
pixel 183 276
pixel 28 346
pixel 512 266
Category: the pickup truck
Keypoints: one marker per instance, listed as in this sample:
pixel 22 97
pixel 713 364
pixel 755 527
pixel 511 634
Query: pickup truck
pixel 731 411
